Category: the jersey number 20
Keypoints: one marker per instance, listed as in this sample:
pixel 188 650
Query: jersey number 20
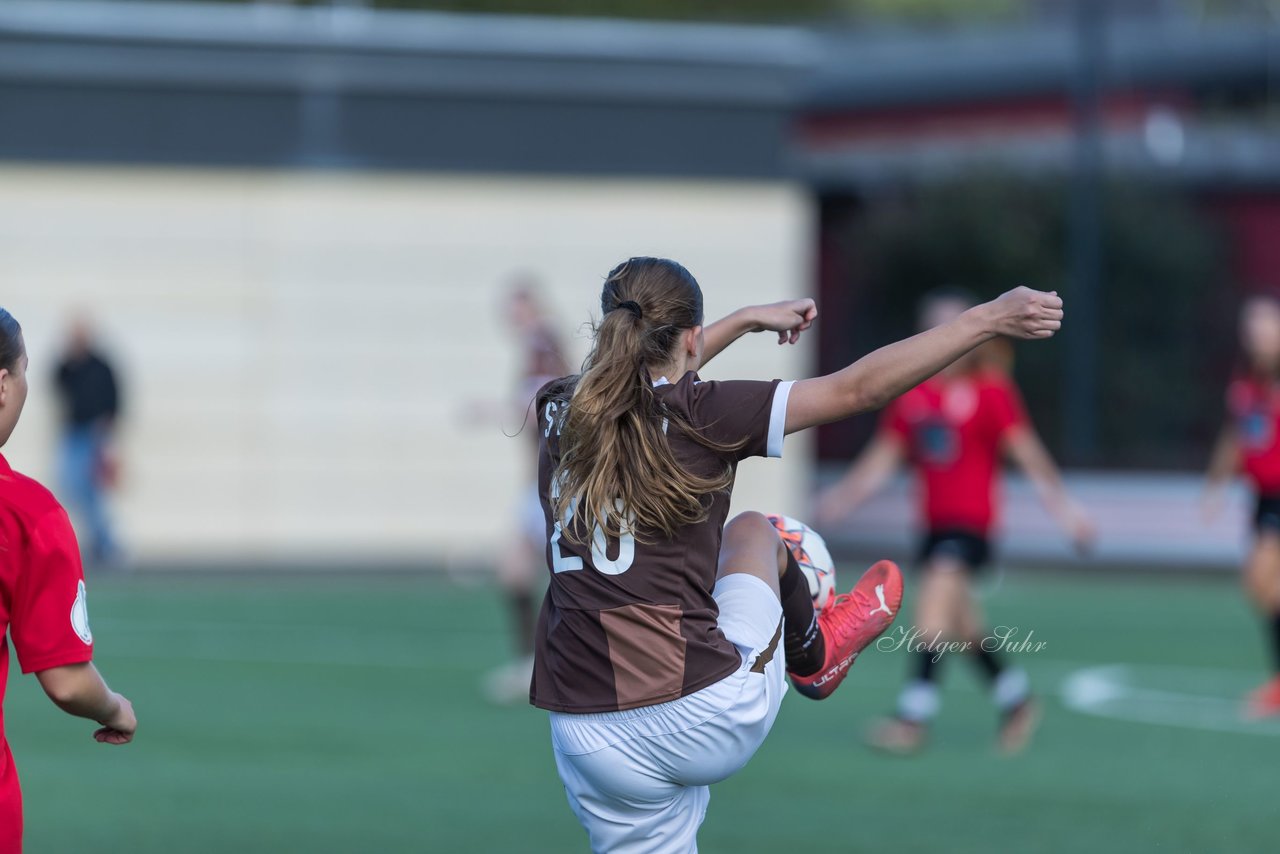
pixel 561 562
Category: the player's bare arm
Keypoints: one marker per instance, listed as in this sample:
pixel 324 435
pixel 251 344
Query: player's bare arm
pixel 788 318
pixel 1223 463
pixel 875 379
pixel 1024 447
pixel 78 689
pixel 866 476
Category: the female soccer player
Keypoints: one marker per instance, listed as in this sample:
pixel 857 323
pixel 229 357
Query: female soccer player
pixel 657 641
pixel 542 360
pixel 953 428
pixel 42 599
pixel 1250 441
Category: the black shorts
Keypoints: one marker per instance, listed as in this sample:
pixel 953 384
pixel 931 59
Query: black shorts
pixel 972 550
pixel 1266 516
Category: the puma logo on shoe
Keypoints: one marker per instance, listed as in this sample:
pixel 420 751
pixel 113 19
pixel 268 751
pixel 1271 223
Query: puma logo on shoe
pixel 884 606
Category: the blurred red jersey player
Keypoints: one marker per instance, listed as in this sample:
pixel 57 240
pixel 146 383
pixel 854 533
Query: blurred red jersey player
pixel 954 429
pixel 1250 443
pixel 42 597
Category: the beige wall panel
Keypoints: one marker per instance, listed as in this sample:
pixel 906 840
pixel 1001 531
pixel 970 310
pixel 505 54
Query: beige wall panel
pixel 300 350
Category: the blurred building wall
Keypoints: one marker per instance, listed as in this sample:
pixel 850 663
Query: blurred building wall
pixel 300 350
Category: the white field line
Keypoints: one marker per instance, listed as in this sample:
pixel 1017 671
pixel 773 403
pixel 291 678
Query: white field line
pixel 1115 691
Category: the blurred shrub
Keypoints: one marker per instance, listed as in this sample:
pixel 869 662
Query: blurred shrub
pixel 1165 307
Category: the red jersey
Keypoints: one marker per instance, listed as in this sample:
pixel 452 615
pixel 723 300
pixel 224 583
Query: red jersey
pixel 42 608
pixel 1255 409
pixel 952 428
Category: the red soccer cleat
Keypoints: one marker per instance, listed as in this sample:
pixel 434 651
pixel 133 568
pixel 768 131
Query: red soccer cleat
pixel 850 623
pixel 1264 702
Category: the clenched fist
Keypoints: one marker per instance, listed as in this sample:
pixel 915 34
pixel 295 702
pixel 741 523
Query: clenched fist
pixel 1025 313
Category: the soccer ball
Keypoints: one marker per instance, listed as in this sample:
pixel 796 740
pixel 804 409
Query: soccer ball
pixel 810 551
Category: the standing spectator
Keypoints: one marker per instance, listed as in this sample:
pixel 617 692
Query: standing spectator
pixel 90 400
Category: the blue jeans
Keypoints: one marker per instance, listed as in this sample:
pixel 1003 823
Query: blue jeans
pixel 79 455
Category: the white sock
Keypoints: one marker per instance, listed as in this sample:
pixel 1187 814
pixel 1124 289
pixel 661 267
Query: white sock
pixel 918 701
pixel 1011 688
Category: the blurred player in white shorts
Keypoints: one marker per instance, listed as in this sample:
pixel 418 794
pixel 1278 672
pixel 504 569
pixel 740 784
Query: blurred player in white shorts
pixel 541 360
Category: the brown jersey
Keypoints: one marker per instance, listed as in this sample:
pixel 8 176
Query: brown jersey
pixel 627 624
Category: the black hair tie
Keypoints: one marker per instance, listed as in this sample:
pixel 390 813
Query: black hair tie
pixel 633 307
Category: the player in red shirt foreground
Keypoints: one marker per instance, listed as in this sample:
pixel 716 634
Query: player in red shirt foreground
pixel 42 598
pixel 657 644
pixel 954 428
pixel 1250 442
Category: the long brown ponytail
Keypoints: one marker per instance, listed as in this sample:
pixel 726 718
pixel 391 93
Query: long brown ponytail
pixel 616 471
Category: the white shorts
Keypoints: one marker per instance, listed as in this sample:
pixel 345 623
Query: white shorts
pixel 638 780
pixel 533 523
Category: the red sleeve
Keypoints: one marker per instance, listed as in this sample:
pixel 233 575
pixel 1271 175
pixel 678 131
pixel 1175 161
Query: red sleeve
pixel 748 411
pixel 894 422
pixel 49 620
pixel 1239 397
pixel 1007 409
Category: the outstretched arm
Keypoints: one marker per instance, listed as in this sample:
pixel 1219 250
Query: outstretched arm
pixel 875 379
pixel 1222 465
pixel 1026 450
pixel 788 318
pixel 867 476
pixel 78 689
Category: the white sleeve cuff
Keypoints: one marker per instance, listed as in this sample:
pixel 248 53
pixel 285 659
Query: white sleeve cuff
pixel 778 419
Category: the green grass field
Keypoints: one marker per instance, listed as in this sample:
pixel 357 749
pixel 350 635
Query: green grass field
pixel 344 715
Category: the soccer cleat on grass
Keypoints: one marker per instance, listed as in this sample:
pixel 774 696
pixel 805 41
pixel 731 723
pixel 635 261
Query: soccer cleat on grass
pixel 850 623
pixel 1264 702
pixel 898 736
pixel 1017 726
